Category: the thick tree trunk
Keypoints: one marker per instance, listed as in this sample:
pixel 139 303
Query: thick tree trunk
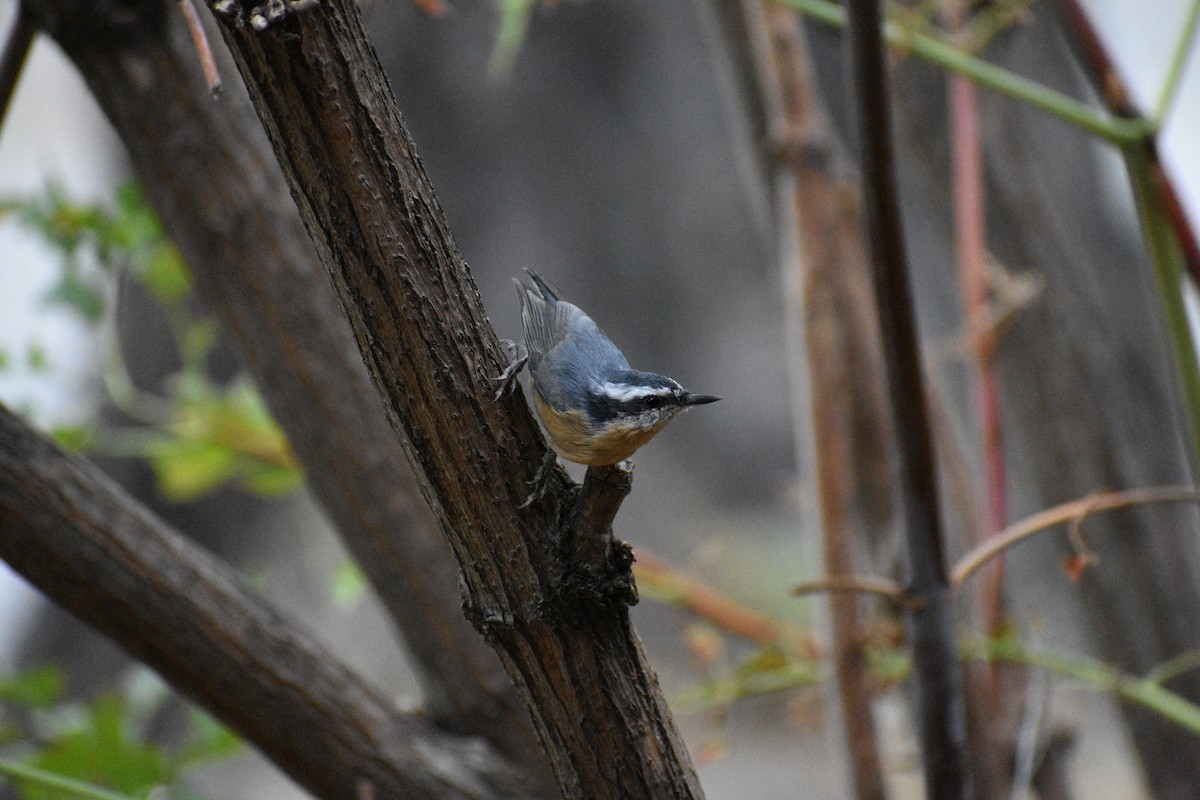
pixel 564 636
pixel 209 171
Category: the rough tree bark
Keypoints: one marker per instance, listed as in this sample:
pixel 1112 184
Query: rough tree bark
pixel 193 619
pixel 563 634
pixel 209 172
pixel 363 194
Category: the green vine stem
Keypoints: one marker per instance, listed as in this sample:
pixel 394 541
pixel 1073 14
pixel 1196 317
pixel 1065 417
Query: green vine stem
pixel 1167 258
pixel 60 783
pixel 1170 87
pixel 934 50
pixel 1146 692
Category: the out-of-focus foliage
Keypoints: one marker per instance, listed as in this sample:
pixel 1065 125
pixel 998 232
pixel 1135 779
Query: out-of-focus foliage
pixel 201 435
pixel 55 748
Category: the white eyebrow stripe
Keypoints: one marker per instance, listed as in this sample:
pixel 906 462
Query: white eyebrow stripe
pixel 623 393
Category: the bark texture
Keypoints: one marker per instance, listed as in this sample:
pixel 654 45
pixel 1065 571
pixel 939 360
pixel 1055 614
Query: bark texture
pixel 363 195
pixel 210 173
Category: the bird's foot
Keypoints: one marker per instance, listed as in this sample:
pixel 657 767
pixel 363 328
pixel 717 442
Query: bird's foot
pixel 518 356
pixel 541 480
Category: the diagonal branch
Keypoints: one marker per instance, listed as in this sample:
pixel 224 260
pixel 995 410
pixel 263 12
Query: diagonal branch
pixel 73 534
pixel 416 313
pixel 209 171
pixel 12 58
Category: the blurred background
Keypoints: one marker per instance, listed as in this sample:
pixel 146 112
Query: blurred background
pixel 609 160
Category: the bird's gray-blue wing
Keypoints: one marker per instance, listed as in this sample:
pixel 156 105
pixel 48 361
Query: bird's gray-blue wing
pixel 567 350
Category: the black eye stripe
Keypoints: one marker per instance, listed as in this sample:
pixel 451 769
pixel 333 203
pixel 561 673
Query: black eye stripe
pixel 604 407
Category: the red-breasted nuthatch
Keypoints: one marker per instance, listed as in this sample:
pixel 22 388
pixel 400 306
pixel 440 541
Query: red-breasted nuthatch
pixel 595 408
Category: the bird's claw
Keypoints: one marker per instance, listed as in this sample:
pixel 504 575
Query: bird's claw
pixel 541 479
pixel 518 356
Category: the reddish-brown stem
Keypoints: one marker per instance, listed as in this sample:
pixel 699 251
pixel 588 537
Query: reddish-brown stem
pixel 828 304
pixel 1065 512
pixel 970 238
pixel 674 586
pixel 200 41
pixel 1113 90
pixel 882 587
pixel 989 693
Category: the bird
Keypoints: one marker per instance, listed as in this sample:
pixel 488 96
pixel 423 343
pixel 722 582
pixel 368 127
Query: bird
pixel 595 408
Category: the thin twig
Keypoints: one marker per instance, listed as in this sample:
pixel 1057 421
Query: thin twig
pixel 1094 674
pixel 1065 512
pixel 1170 87
pixel 822 257
pixel 971 245
pixel 1112 88
pixel 12 59
pixel 668 584
pixel 200 41
pixel 882 587
pixel 947 56
pixel 1173 668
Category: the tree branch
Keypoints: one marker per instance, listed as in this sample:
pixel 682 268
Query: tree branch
pixel 379 231
pixel 12 58
pixel 833 363
pixel 73 534
pixel 1072 511
pixel 213 179
pixel 941 710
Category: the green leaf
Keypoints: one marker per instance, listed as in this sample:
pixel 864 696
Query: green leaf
pixel 768 658
pixel 209 740
pixel 61 785
pixel 72 292
pixel 349 584
pixel 198 340
pixel 165 275
pixel 510 36
pixel 270 480
pixel 36 357
pixel 188 468
pixel 103 753
pixel 39 687
pixel 75 438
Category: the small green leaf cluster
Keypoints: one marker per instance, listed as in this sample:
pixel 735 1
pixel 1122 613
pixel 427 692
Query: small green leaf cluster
pixel 90 236
pixel 198 436
pixel 54 748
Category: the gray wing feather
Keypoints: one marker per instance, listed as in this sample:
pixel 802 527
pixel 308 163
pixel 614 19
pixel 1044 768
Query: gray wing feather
pixel 575 351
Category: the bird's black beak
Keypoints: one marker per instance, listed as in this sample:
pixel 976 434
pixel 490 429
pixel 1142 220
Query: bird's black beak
pixel 699 399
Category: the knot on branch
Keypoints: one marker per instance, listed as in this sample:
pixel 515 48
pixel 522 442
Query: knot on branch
pixel 596 568
pixel 590 571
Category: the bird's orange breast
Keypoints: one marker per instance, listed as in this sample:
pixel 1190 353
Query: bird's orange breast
pixel 575 441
